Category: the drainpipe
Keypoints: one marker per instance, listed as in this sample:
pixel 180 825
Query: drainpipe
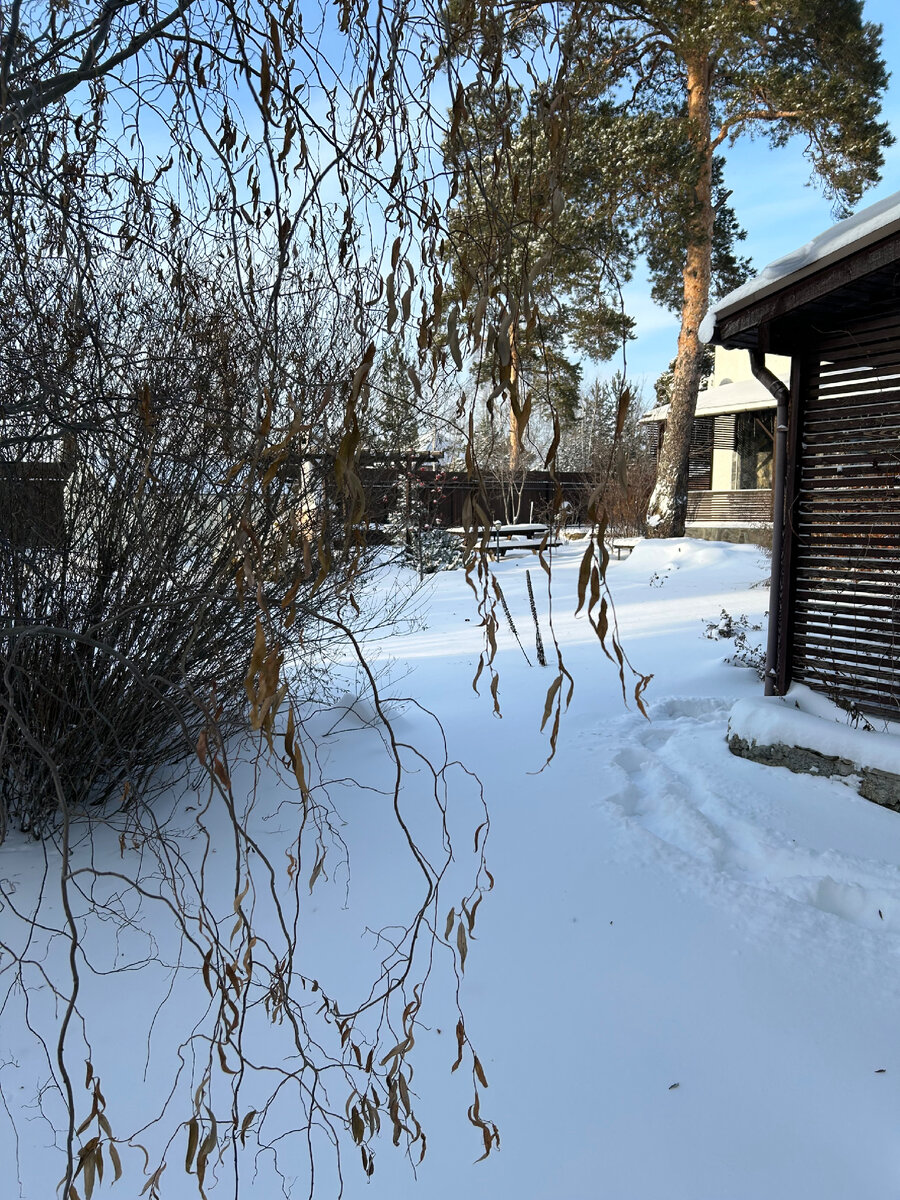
pixel 782 396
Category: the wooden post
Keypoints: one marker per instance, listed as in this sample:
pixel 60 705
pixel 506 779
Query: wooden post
pixel 800 372
pixel 782 398
pixel 408 521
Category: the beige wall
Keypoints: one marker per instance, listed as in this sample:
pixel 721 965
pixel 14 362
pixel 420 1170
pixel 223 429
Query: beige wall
pixel 722 469
pixel 733 366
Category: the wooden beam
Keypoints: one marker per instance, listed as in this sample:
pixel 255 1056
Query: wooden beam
pixel 800 375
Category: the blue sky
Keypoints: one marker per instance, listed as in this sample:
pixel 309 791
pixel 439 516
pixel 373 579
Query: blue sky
pixel 773 204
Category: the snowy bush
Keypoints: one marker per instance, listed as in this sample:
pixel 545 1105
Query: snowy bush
pixel 436 550
pixel 164 647
pixel 748 652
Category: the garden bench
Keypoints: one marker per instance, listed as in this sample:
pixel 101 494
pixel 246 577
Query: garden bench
pixel 622 545
pixel 504 538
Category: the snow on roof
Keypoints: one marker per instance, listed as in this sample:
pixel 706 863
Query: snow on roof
pixel 870 225
pixel 745 396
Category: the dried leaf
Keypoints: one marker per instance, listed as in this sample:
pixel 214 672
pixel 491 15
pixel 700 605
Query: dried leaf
pixel 357 1126
pixel 478 832
pixel 193 1141
pixel 207 960
pixel 461 945
pixel 404 1093
pixel 453 337
pixel 245 1125
pixel 551 696
pixel 317 869
pixel 460 1044
pixel 89 1167
pixel 584 575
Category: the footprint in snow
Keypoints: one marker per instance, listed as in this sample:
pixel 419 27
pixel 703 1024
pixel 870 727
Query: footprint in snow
pixel 668 791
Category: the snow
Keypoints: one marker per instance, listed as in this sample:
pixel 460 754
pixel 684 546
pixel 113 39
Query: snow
pixel 663 914
pixel 868 225
pixel 804 718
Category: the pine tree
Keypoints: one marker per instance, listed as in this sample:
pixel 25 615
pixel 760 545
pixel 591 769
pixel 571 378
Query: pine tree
pixel 393 425
pixel 695 76
pixel 537 251
pixel 614 449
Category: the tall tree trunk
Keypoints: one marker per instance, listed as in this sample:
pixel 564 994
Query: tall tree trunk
pixel 519 406
pixel 668 503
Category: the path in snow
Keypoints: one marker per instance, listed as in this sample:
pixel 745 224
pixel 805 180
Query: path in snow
pixel 669 787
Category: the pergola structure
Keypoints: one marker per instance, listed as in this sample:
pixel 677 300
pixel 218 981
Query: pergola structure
pixel 834 308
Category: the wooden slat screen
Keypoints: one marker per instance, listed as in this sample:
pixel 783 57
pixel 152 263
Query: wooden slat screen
pixel 700 461
pixel 846 625
pixel 723 438
pixel 752 505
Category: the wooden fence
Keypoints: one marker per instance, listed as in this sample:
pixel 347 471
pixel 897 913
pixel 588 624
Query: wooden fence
pixel 32 504
pixel 437 498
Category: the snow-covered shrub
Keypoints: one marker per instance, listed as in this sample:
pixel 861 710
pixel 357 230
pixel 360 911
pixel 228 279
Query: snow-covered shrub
pixel 436 550
pixel 748 652
pixel 162 644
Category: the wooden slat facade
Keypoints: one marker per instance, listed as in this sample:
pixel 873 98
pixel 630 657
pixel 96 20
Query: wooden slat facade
pixel 723 436
pixel 722 507
pixel 700 460
pixel 844 610
pixel 752 506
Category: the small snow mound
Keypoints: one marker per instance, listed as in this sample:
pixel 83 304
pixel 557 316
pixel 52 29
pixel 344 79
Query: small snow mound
pixel 688 707
pixel 668 554
pixel 846 900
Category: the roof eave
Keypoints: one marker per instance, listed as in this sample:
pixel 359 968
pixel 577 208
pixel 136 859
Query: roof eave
pixel 746 338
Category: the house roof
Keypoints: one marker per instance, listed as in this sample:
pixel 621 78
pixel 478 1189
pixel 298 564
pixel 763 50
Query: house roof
pixel 747 395
pixel 870 238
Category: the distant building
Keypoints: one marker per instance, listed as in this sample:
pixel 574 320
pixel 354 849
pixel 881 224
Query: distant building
pixel 730 476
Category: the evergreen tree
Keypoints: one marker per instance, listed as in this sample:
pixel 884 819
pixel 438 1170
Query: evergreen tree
pixel 393 418
pixel 692 78
pixel 662 386
pixel 537 251
pixel 608 442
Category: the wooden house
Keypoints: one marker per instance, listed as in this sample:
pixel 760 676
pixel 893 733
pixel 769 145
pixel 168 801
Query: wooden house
pixel 732 438
pixel 834 308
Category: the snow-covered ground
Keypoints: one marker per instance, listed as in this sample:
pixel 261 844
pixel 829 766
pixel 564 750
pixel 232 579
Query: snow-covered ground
pixel 685 983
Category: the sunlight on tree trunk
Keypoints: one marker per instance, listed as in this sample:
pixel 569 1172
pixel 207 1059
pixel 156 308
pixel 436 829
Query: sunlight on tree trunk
pixel 668 503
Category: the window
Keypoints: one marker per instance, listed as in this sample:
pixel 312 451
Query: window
pixel 754 440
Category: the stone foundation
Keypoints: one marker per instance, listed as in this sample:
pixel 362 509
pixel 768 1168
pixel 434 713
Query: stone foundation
pixel 872 784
